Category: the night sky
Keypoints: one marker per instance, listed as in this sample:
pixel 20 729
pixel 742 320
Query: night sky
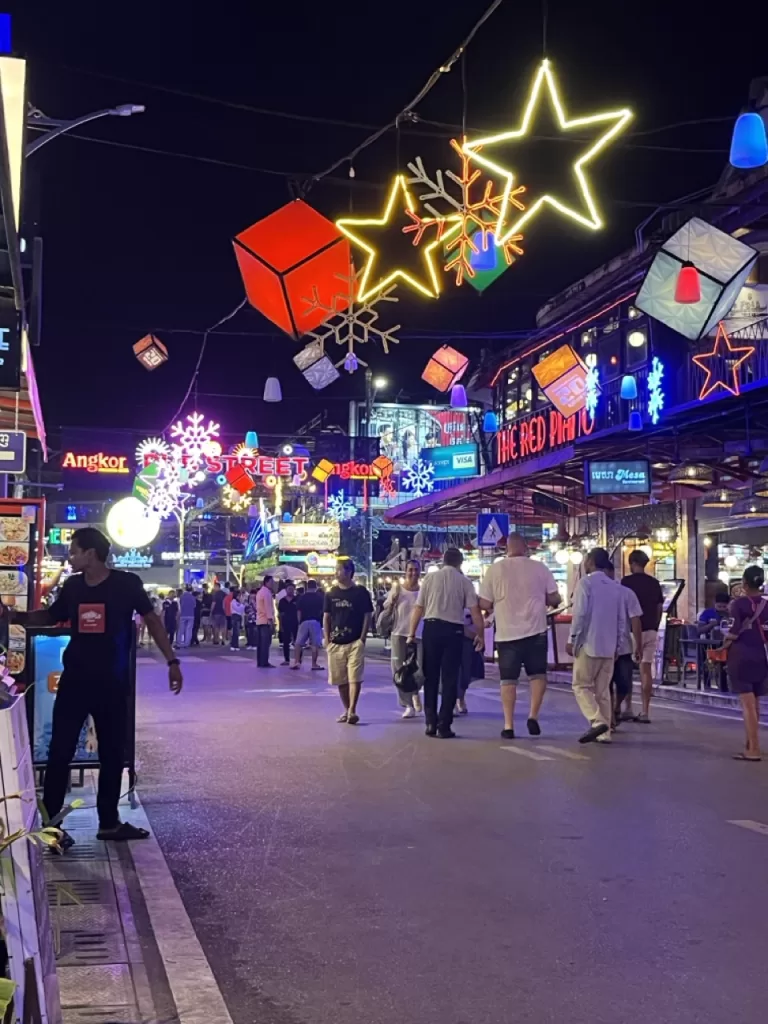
pixel 139 241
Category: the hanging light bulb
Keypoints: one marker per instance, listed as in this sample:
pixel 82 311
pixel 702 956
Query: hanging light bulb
pixel 458 397
pixel 562 556
pixel 251 439
pixel 490 422
pixel 688 287
pixel 628 387
pixel 272 390
pixel 749 144
pixel 350 362
pixel 635 420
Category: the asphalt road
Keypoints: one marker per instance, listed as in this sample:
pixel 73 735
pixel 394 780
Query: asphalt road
pixel 339 875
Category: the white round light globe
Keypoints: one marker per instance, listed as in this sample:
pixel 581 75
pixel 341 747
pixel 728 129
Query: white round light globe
pixel 730 561
pixel 576 557
pixel 129 526
pixel 561 557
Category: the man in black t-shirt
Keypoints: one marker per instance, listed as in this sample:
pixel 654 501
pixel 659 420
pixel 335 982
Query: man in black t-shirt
pixel 98 603
pixel 346 618
pixel 289 621
pixel 309 607
pixel 648 591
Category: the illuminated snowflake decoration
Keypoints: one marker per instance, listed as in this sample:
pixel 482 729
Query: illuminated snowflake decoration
pixel 194 439
pixel 162 502
pixel 592 385
pixel 234 500
pixel 655 389
pixel 419 478
pixel 152 448
pixel 466 222
pixel 350 323
pixel 340 509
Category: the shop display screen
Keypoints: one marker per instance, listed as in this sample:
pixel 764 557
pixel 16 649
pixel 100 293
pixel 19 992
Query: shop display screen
pixel 617 477
pixel 47 653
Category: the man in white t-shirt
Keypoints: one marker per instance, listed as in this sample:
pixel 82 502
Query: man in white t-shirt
pixel 519 590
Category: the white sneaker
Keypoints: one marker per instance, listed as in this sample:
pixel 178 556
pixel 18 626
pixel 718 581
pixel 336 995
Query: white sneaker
pixel 409 713
pixel 417 705
pixel 605 738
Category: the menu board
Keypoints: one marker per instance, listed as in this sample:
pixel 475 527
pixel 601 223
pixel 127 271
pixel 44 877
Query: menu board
pixel 14 556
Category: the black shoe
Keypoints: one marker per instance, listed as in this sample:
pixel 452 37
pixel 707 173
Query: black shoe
pixel 431 730
pixel 507 734
pixel 446 734
pixel 533 727
pixel 65 842
pixel 591 734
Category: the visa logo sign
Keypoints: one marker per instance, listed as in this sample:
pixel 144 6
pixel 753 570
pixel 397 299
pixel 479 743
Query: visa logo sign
pixel 466 460
pixel 453 461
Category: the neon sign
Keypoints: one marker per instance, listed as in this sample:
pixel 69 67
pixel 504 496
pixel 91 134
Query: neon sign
pixel 724 359
pixel 98 463
pixel 258 465
pixel 539 433
pixel 380 469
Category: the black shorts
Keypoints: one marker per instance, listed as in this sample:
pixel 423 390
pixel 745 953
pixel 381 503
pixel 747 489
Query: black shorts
pixel 529 653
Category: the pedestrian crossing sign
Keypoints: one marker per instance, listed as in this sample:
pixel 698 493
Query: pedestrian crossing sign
pixel 492 528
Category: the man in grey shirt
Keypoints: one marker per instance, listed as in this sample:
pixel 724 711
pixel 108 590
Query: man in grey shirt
pixel 187 602
pixel 441 602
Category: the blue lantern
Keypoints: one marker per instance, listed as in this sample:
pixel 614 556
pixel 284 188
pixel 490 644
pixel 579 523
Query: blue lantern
pixel 749 145
pixel 628 387
pixel 199 503
pixel 635 420
pixel 287 517
pixel 484 259
pixel 251 439
pixel 490 422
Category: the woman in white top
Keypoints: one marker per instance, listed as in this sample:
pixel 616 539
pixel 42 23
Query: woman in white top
pixel 401 600
pixel 237 612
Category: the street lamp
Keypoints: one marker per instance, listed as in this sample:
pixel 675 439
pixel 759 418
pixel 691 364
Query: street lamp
pixel 55 127
pixel 372 385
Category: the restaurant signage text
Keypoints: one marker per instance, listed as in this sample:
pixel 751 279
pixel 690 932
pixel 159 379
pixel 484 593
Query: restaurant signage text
pixel 617 477
pixel 540 433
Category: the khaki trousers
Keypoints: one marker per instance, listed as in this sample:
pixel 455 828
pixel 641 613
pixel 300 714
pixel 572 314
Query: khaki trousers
pixel 592 688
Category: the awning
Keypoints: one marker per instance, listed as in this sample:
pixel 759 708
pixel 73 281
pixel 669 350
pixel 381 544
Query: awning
pixel 20 410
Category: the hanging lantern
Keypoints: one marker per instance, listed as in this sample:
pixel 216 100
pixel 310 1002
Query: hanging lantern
pixel 720 497
pixel 445 368
pixel 350 362
pixel 272 390
pixel 562 376
pixel 722 264
pixel 199 503
pixel 635 420
pixel 293 253
pixel 697 474
pixel 749 144
pixel 317 369
pixel 239 479
pixel 252 440
pixel 688 287
pixel 628 387
pixel 150 352
pixel 490 422
pixel 458 397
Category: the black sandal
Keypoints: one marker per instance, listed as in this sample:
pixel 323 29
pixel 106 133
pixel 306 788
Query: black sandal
pixel 124 831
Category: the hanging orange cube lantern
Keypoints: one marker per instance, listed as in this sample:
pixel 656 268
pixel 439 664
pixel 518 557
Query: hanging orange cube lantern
pixel 150 352
pixel 562 376
pixel 291 263
pixel 445 368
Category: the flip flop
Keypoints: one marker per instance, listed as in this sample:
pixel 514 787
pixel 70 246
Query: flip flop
pixel 743 757
pixel 124 832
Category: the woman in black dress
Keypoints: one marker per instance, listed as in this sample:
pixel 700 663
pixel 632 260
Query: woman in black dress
pixel 747 659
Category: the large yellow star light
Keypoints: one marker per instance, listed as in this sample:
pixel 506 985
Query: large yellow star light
pixel 544 83
pixel 374 280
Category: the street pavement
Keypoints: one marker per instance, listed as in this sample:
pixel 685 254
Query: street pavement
pixel 337 874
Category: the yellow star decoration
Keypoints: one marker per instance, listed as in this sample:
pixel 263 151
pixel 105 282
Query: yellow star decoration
pixel 544 82
pixel 370 283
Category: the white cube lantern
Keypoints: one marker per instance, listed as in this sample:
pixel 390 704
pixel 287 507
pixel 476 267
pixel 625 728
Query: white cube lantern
pixel 723 264
pixel 317 368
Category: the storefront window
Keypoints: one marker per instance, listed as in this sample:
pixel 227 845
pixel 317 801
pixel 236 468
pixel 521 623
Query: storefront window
pixel 512 395
pixel 526 388
pixel 609 357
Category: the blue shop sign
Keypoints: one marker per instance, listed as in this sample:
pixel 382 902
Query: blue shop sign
pixel 453 461
pixel 617 477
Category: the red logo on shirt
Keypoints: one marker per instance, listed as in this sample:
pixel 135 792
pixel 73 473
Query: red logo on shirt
pixel 91 618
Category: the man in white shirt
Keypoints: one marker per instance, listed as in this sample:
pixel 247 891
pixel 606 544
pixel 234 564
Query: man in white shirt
pixel 596 629
pixel 519 590
pixel 265 622
pixel 443 596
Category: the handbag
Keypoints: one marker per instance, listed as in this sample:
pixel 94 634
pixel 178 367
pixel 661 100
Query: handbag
pixel 720 654
pixel 405 676
pixel 386 621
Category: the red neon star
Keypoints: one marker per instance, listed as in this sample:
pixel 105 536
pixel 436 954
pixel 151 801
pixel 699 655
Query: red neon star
pixel 722 349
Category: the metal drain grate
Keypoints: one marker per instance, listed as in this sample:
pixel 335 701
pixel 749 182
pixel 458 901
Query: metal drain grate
pixel 89 849
pixel 84 948
pixel 87 890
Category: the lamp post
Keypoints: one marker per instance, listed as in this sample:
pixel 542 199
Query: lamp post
pixel 372 385
pixel 55 127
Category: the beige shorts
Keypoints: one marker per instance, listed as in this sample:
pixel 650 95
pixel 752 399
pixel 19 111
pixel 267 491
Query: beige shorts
pixel 648 650
pixel 346 663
